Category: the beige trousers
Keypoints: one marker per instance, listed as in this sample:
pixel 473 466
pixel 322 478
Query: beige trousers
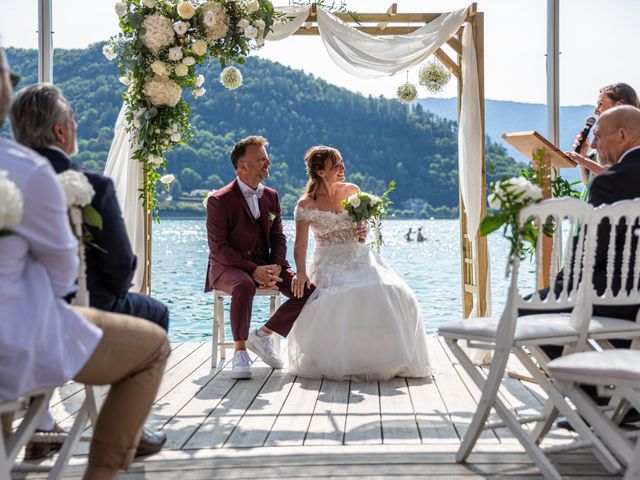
pixel 130 357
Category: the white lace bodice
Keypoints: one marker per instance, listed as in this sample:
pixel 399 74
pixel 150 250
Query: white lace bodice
pixel 329 228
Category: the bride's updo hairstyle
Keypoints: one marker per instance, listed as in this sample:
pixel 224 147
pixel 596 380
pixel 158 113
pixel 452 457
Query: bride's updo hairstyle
pixel 316 160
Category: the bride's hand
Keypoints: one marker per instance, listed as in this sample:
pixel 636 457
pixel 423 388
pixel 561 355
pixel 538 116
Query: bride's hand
pixel 298 283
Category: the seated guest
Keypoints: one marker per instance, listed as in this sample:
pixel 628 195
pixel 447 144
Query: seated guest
pixel 42 119
pixel 43 341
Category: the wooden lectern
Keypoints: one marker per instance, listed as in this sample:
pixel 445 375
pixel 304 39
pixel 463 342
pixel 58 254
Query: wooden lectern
pixel 528 143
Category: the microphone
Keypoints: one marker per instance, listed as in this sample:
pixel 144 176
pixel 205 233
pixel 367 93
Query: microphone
pixel 589 122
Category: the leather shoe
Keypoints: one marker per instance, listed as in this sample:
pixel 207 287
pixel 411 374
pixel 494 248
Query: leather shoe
pixel 37 450
pixel 150 442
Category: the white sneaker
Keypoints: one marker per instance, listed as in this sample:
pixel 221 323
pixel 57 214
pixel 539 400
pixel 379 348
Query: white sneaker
pixel 241 365
pixel 265 347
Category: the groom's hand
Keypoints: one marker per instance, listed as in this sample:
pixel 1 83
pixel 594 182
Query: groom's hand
pixel 267 276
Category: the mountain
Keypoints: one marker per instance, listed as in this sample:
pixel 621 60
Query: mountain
pixel 380 139
pixel 503 116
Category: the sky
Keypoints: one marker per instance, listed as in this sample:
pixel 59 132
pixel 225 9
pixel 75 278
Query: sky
pixel 598 42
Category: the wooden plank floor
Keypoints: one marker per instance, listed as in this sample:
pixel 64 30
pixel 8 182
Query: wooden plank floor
pixel 279 426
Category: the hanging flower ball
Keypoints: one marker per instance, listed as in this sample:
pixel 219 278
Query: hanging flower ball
pixel 231 78
pixel 407 92
pixel 434 76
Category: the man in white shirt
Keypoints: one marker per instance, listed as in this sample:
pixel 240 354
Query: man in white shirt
pixel 44 342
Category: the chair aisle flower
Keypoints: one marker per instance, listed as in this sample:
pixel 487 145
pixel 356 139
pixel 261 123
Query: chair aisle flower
pixel 11 204
pixel 77 189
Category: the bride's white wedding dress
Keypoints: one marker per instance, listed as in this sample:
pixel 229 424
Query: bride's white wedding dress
pixel 362 320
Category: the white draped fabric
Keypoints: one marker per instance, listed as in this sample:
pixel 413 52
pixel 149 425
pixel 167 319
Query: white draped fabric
pixel 364 56
pixel 127 176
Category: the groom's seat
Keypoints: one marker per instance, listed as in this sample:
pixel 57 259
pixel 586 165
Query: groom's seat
pixel 218 342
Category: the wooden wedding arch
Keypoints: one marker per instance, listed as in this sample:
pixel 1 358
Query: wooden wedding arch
pixel 474 255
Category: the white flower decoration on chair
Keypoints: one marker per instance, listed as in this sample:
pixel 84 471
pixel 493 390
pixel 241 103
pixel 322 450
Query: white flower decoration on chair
pixel 11 203
pixel 77 189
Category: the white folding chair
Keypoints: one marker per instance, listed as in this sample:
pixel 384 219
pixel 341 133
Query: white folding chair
pixel 35 404
pixel 218 342
pixel 525 335
pixel 616 374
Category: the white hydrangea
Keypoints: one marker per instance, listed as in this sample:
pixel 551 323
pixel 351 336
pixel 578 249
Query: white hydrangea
pixel 161 90
pixel 354 201
pixel 77 189
pixel 186 10
pixel 160 68
pixel 158 32
pixel 200 80
pixel 199 47
pixel 231 78
pixel 189 61
pixel 109 52
pixel 149 3
pixel 11 202
pixel 121 9
pixel 181 28
pixel 175 54
pixel 243 23
pixel 214 18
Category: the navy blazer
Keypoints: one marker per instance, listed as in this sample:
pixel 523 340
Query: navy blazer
pixel 108 274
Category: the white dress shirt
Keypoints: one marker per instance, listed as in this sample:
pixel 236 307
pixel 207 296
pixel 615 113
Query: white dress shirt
pixel 43 341
pixel 251 196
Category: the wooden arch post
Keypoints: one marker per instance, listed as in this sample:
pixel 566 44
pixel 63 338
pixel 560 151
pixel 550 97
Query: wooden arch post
pixel 475 280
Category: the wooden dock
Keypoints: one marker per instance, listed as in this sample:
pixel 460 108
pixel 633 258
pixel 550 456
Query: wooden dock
pixel 279 426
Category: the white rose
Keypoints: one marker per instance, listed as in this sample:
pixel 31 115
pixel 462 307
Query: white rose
pixel 206 200
pixel 494 201
pixel 259 24
pixel 253 5
pixel 159 68
pixel 121 9
pixel 200 80
pixel 158 32
pixel 156 160
pixel 251 31
pixel 175 137
pixel 149 3
pixel 244 23
pixel 181 70
pixel 199 47
pixel 198 92
pixel 189 61
pixel 125 80
pixel 375 200
pixel 168 178
pixel 354 201
pixel 109 52
pixel 175 54
pixel 77 189
pixel 181 28
pixel 161 90
pixel 11 202
pixel 186 10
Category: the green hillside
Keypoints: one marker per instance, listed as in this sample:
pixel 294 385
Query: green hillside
pixel 380 139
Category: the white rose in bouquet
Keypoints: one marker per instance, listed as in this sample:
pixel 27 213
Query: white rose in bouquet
pixel 186 10
pixel 175 137
pixel 158 32
pixel 189 61
pixel 243 23
pixel 121 9
pixel 252 5
pixel 11 203
pixel 199 47
pixel 181 28
pixel 175 54
pixel 251 31
pixel 198 92
pixel 77 189
pixel 160 68
pixel 161 90
pixel 260 25
pixel 156 160
pixel 181 70
pixel 354 201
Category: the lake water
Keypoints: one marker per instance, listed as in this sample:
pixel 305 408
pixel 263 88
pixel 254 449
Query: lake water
pixel 431 268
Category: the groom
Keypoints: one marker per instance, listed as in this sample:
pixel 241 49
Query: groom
pixel 247 249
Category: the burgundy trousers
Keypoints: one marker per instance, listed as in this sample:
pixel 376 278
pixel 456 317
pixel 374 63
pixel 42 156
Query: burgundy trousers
pixel 242 288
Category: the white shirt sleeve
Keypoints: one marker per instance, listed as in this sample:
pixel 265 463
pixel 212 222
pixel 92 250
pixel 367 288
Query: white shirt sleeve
pixel 46 227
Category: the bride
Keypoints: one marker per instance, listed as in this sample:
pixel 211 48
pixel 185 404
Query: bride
pixel 362 320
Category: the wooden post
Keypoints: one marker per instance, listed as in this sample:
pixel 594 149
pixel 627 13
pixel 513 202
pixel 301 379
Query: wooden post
pixel 544 167
pixel 148 224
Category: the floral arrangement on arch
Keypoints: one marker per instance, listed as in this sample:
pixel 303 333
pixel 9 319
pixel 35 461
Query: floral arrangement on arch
pixel 161 43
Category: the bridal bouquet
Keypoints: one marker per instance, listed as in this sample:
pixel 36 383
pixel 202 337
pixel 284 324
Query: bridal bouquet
pixel 11 204
pixel 367 207
pixel 79 193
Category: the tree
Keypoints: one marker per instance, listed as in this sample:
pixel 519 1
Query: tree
pixel 190 179
pixel 214 182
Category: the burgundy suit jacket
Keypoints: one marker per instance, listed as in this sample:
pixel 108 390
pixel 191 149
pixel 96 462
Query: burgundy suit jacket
pixel 236 239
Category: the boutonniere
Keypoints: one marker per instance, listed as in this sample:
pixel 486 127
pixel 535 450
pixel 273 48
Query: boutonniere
pixel 271 216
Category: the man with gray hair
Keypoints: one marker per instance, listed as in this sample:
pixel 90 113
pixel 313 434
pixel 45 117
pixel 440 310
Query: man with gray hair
pixel 42 118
